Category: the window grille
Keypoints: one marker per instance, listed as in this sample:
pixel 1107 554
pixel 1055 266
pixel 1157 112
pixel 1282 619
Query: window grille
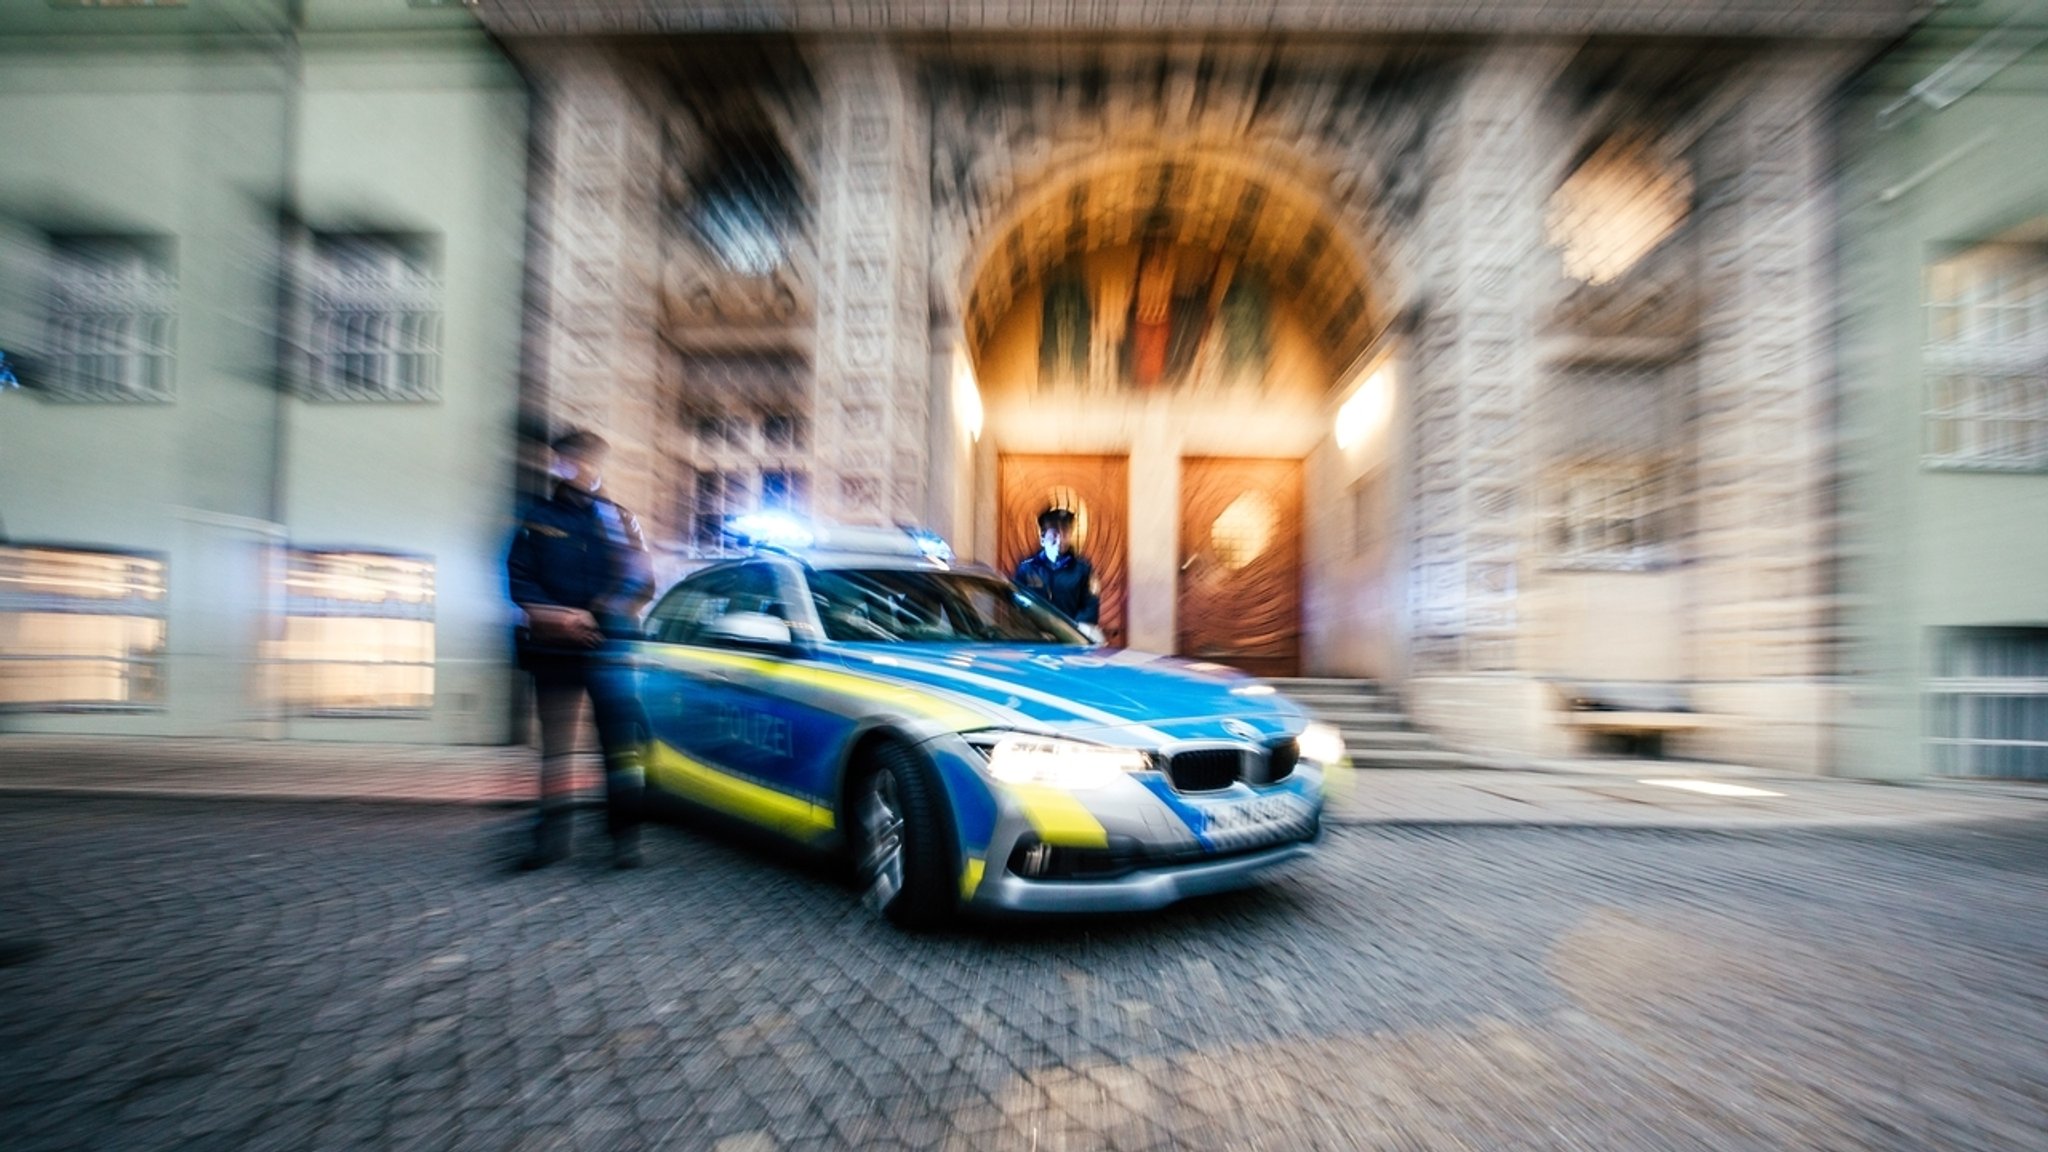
pixel 372 320
pixel 1616 208
pixel 720 497
pixel 111 322
pixel 745 201
pixel 783 431
pixel 784 489
pixel 1988 703
pixel 80 630
pixel 1613 488
pixel 1986 360
pixel 1609 513
pixel 358 634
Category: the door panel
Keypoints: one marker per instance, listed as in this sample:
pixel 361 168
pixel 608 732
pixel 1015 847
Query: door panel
pixel 1097 489
pixel 1240 576
pixel 753 742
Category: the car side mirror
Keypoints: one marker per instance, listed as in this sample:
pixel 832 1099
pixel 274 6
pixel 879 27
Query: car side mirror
pixel 753 630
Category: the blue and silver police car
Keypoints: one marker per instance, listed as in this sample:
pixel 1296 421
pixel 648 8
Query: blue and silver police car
pixel 854 690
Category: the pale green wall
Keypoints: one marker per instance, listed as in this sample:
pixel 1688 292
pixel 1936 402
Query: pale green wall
pixel 377 116
pixel 1926 549
pixel 434 143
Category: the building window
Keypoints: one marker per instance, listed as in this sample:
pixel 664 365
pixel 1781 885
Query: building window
pixel 358 634
pixel 1612 491
pixel 720 497
pixel 370 318
pixel 1616 208
pixel 80 630
pixel 785 489
pixel 782 431
pixel 1244 530
pixel 1988 703
pixel 745 200
pixel 111 320
pixel 720 430
pixel 1986 359
pixel 1608 514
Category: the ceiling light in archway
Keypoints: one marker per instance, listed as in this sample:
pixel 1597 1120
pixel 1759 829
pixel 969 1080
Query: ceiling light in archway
pixel 1365 411
pixel 966 397
pixel 1615 209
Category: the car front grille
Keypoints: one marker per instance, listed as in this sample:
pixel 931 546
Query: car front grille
pixel 1205 769
pixel 1281 758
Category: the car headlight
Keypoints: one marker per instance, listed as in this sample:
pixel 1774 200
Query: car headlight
pixel 1320 743
pixel 1018 758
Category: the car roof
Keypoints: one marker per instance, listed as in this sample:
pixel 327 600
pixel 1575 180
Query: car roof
pixel 829 559
pixel 836 560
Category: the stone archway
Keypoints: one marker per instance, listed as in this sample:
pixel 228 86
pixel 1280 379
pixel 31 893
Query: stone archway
pixel 1173 307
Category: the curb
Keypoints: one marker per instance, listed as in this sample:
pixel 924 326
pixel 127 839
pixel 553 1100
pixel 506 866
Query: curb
pixel 59 792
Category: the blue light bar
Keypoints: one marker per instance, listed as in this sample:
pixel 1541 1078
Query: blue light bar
pixel 782 532
pixel 931 543
pixel 777 530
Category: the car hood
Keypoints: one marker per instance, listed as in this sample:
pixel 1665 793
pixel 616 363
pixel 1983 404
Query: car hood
pixel 1105 693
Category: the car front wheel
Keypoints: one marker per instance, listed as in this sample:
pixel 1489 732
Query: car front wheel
pixel 900 846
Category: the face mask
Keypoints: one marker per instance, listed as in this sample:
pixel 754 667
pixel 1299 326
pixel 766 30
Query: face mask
pixel 562 469
pixel 1052 549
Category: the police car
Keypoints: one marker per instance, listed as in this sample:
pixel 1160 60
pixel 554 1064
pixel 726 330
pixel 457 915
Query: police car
pixel 855 690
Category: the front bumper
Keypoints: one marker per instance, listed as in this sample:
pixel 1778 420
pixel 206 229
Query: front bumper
pixel 1141 890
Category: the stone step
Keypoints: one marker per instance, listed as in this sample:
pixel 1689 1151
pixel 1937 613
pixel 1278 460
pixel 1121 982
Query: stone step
pixel 1367 758
pixel 1365 721
pixel 1376 731
pixel 1386 738
pixel 1285 682
pixel 1348 706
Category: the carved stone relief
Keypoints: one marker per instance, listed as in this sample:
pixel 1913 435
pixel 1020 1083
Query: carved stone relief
pixel 1763 377
pixel 873 353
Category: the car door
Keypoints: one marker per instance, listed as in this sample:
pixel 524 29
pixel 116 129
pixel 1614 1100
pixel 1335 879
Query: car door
pixel 741 738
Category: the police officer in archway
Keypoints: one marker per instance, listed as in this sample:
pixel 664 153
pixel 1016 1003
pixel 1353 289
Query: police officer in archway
pixel 1060 577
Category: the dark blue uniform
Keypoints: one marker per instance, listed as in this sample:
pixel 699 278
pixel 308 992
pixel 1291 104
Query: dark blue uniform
pixel 584 552
pixel 1067 584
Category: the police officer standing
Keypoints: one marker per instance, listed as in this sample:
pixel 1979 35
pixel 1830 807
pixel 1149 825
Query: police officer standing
pixel 580 572
pixel 1058 576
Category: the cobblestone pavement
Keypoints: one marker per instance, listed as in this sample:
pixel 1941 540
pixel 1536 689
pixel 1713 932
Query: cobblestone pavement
pixel 249 974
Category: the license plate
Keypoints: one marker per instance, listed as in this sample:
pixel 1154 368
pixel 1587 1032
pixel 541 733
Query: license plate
pixel 1256 813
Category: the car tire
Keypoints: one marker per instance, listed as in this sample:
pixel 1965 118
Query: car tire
pixel 900 848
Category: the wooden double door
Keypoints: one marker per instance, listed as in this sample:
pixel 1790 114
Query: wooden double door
pixel 1238 589
pixel 1097 490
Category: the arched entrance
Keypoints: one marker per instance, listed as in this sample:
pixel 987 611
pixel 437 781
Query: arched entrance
pixel 1159 338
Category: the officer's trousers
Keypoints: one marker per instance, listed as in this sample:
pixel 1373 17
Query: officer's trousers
pixel 560 686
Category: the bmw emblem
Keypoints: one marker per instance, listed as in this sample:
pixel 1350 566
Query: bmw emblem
pixel 1240 729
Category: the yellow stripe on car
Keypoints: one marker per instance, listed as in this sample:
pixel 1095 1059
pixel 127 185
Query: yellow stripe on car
pixel 970 876
pixel 1058 817
pixel 736 796
pixel 923 704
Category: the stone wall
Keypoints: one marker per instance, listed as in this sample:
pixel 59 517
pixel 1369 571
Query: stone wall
pixel 594 322
pixel 874 377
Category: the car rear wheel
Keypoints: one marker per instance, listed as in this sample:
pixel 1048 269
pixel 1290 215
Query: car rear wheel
pixel 900 842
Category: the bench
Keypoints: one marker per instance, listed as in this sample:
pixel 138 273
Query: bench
pixel 1635 715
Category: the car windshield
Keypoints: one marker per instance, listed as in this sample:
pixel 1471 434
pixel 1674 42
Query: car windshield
pixel 894 605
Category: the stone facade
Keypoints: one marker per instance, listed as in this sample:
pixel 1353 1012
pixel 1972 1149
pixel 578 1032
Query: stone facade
pixel 873 381
pixel 1404 195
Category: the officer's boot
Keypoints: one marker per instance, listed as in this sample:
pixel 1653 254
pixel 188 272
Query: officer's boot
pixel 550 840
pixel 624 789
